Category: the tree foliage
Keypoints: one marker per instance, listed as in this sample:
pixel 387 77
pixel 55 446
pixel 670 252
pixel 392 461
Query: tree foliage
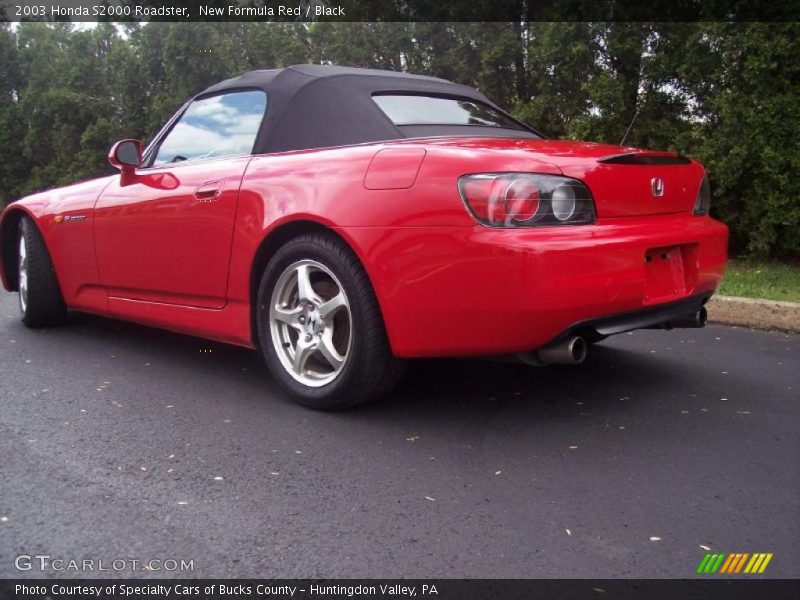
pixel 724 93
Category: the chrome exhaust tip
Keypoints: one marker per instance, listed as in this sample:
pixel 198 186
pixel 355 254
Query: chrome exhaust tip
pixel 696 321
pixel 571 351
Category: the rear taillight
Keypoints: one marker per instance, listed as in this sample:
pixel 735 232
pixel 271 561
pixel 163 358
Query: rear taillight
pixel 526 199
pixel 703 202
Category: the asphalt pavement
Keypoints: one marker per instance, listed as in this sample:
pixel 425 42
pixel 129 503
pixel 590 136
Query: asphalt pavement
pixel 121 442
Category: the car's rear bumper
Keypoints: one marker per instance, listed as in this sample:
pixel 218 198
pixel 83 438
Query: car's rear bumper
pixel 479 291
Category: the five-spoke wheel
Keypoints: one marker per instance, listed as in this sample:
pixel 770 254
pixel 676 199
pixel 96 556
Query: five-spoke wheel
pixel 311 323
pixel 319 325
pixel 22 274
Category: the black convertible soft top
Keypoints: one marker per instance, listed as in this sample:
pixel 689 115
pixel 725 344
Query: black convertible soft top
pixel 317 106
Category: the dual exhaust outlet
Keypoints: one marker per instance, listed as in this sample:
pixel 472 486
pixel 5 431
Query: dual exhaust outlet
pixel 573 350
pixel 696 321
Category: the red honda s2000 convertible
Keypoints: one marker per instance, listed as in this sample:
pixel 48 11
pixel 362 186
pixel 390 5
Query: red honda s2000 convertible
pixel 341 220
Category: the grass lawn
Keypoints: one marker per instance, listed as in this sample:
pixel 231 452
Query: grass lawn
pixel 768 280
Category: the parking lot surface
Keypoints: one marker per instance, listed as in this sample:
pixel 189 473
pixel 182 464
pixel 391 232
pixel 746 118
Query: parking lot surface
pixel 123 442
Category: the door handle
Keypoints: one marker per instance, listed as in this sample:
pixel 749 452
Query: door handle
pixel 208 192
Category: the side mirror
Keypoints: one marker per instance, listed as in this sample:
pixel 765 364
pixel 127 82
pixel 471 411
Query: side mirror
pixel 126 155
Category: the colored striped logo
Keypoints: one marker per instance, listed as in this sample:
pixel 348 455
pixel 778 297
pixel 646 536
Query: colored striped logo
pixel 737 562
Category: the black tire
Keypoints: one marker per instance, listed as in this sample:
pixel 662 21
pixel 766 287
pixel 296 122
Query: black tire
pixel 42 305
pixel 370 370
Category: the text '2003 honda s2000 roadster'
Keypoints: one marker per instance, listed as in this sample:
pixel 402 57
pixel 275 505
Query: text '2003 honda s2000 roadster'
pixel 341 220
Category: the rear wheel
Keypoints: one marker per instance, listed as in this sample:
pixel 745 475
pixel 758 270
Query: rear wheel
pixel 40 300
pixel 319 326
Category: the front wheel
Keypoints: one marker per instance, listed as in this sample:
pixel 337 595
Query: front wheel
pixel 320 328
pixel 40 300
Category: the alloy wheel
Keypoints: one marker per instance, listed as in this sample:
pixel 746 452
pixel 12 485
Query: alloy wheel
pixel 23 275
pixel 311 323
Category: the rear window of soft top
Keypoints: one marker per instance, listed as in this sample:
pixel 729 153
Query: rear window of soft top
pixel 415 109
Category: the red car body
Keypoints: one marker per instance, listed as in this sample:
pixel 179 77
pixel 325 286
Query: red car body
pixel 445 285
pixel 183 246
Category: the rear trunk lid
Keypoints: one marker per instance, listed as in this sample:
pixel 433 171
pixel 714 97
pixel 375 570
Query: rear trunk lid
pixel 625 181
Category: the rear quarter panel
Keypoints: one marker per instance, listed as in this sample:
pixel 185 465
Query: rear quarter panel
pixel 404 237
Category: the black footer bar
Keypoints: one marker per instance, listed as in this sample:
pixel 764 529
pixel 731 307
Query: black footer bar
pixel 396 589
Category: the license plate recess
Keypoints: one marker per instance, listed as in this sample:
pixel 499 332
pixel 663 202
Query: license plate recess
pixel 670 273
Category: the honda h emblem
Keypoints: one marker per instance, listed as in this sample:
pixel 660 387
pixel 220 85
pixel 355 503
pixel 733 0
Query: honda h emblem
pixel 657 187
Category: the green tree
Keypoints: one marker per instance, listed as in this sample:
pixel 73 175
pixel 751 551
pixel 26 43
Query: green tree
pixel 560 69
pixel 750 142
pixel 12 122
pixel 274 45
